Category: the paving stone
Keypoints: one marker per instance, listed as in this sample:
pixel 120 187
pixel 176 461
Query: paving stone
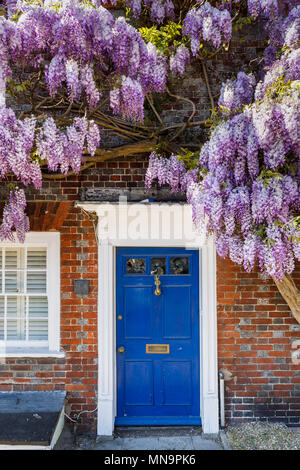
pixel 175 443
pixel 205 444
pixel 139 443
pixel 109 444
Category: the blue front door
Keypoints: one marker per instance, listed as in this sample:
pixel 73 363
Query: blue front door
pixel 158 336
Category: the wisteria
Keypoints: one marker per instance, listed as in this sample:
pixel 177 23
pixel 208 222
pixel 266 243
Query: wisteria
pixel 97 39
pixel 209 24
pixel 153 74
pixel 89 86
pixel 267 8
pixel 237 93
pixel 14 217
pixel 135 59
pixel 72 79
pixel 59 149
pixel 159 10
pixel 127 99
pixel 179 60
pixel 62 150
pixel 16 142
pixel 247 190
pixel 75 44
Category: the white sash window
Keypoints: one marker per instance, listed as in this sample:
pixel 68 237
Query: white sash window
pixel 29 292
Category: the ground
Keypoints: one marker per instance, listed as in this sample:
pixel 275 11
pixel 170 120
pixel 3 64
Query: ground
pixel 250 436
pixel 263 436
pixel 143 439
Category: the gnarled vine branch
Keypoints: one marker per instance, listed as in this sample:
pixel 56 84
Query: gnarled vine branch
pixel 291 295
pixel 186 124
pixel 212 102
pixel 102 155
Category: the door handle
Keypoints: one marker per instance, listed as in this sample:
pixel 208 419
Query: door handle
pixel 121 349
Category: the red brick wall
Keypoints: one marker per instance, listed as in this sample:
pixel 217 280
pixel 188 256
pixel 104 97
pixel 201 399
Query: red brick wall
pixel 255 335
pixel 77 372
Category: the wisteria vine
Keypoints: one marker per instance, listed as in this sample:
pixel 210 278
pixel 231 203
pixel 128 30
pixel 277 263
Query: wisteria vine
pixel 245 186
pixel 75 45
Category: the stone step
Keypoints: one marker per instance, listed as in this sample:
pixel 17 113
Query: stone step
pixel 31 420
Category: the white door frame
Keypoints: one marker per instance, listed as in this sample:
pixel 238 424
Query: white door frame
pixel 152 225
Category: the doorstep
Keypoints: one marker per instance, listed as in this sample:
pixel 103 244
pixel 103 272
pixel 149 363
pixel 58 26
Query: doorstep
pixel 143 438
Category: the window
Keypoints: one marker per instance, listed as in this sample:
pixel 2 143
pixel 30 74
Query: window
pixel 29 292
pixel 136 266
pixel 179 265
pixel 158 266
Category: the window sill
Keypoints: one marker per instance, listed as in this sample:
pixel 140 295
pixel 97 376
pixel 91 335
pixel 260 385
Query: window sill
pixel 33 352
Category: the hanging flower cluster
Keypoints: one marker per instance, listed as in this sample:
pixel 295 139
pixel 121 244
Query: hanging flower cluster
pixel 14 217
pixel 16 142
pixel 159 9
pixel 248 191
pixel 153 74
pixel 267 8
pixel 73 36
pixel 213 24
pixel 141 67
pixel 179 60
pixel 207 23
pixel 237 93
pixel 59 149
pixel 128 99
pixel 62 150
pixel 282 31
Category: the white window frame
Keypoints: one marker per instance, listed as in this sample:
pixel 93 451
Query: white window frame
pixel 51 241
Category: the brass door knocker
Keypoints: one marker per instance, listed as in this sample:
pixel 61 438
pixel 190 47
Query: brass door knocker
pixel 157 272
pixel 157 283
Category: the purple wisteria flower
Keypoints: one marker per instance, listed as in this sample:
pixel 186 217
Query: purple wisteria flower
pixel 207 23
pixel 128 99
pixel 14 217
pixel 179 60
pixel 267 8
pixel 237 93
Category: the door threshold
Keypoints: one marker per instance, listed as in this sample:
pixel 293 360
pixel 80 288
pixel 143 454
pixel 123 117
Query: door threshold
pixel 156 431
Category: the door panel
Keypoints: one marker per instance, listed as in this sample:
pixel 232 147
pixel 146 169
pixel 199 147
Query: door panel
pixel 177 383
pixel 138 383
pixel 158 383
pixel 177 311
pixel 137 312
